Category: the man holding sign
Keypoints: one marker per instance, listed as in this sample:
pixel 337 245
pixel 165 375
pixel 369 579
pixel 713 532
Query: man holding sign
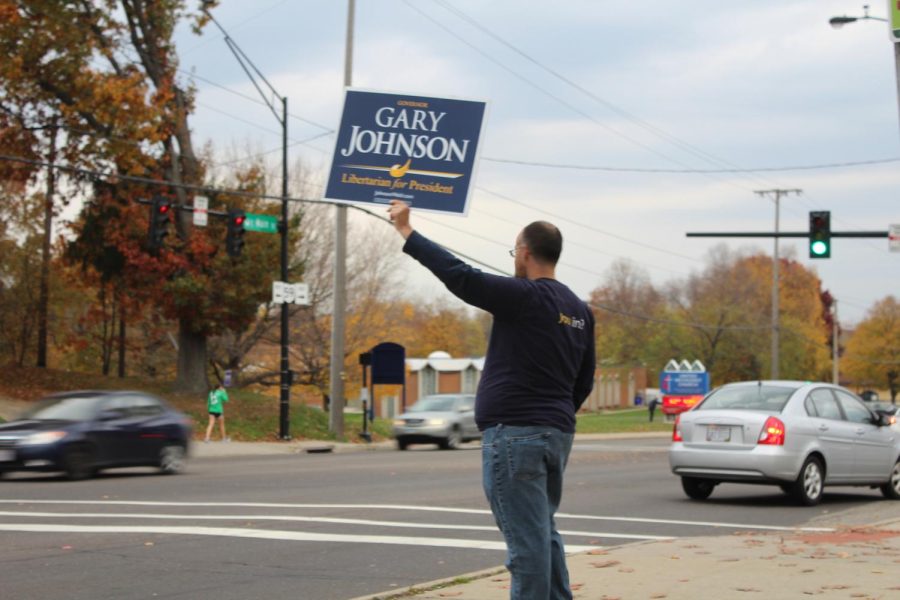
pixel 538 371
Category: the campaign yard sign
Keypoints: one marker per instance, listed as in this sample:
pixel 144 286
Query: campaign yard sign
pixel 417 149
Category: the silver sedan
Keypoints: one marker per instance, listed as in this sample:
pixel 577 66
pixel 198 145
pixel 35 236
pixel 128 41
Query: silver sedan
pixel 443 419
pixel 800 436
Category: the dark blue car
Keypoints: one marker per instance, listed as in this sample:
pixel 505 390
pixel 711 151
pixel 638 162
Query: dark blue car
pixel 80 433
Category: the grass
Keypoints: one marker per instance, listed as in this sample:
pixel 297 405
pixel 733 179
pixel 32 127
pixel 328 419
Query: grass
pixel 624 420
pixel 254 416
pixel 249 415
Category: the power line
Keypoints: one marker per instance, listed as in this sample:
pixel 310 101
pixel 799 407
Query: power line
pixel 690 171
pixel 559 217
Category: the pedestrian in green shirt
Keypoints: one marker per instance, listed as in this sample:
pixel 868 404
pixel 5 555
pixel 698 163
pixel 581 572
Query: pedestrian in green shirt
pixel 215 406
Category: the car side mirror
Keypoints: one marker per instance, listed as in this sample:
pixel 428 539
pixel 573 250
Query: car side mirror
pixel 109 415
pixel 885 419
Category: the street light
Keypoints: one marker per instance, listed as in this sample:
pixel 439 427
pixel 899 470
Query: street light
pixel 838 22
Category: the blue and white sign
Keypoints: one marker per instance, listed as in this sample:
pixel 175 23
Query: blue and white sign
pixel 413 148
pixel 681 383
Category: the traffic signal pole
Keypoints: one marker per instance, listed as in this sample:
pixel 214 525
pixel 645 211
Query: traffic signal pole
pixel 783 234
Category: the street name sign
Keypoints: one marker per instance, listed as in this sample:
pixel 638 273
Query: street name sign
pixel 261 223
pixel 417 149
pixel 894 12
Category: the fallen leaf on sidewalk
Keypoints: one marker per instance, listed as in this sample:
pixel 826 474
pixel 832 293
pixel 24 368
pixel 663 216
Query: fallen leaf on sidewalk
pixel 836 586
pixel 604 564
pixel 658 596
pixel 749 589
pixel 576 586
pixel 626 570
pixel 597 552
pixel 449 594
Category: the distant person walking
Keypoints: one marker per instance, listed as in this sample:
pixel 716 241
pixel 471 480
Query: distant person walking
pixel 538 371
pixel 215 406
pixel 651 407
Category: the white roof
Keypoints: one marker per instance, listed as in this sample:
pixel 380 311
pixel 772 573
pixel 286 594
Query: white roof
pixel 445 364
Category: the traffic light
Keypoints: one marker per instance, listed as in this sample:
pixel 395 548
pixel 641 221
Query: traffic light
pixel 234 239
pixel 159 222
pixel 819 234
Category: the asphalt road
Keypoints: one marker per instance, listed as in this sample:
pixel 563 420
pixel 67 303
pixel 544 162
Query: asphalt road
pixel 337 526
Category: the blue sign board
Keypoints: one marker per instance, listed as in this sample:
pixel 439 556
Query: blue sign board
pixel 684 383
pixel 388 363
pixel 413 148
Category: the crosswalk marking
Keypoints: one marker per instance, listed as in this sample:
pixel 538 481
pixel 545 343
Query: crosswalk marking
pixel 405 507
pixel 266 534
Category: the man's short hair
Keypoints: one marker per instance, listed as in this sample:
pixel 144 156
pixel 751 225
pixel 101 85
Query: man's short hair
pixel 544 241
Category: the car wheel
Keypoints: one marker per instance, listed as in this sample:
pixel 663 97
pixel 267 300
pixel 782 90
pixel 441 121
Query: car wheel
pixel 809 484
pixel 171 459
pixel 453 439
pixel 697 489
pixel 402 444
pixel 77 462
pixel 891 489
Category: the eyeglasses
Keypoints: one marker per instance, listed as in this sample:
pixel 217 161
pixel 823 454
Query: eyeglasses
pixel 513 251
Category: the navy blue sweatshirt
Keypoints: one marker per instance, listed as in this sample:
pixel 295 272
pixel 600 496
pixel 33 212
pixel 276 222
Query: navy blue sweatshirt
pixel 539 366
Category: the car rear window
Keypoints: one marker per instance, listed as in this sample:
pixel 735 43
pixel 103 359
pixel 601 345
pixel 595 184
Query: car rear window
pixel 768 398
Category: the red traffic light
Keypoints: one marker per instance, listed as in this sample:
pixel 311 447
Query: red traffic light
pixel 163 208
pixel 239 220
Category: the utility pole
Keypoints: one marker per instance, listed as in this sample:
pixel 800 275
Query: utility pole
pixel 44 289
pixel 336 412
pixel 777 194
pixel 835 344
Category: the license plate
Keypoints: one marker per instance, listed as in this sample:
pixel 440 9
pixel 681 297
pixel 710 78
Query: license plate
pixel 717 433
pixel 7 456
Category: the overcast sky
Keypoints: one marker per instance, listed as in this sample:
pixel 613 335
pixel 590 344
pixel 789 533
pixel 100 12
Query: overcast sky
pixel 627 91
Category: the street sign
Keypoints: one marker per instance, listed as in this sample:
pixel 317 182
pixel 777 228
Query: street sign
pixel 261 223
pixel 417 149
pixel 201 206
pixel 894 11
pixel 290 293
pixel 894 238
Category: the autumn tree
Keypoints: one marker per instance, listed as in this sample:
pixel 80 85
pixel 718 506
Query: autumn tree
pixel 873 351
pixel 108 72
pixel 624 306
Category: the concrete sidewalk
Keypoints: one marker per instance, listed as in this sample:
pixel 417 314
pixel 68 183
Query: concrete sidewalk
pixel 849 562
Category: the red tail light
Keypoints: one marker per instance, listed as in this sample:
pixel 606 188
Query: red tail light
pixel 676 431
pixel 772 433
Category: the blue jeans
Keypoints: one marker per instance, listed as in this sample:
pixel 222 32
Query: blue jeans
pixel 522 471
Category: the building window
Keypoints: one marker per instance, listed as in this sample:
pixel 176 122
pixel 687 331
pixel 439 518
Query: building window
pixel 429 381
pixel 470 381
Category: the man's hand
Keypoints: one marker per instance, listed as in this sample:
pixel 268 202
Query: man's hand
pixel 399 214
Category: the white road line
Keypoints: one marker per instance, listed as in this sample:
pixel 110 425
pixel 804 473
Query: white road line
pixel 251 518
pixel 264 534
pixel 470 511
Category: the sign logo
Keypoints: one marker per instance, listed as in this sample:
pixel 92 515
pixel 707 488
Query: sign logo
pixel 413 148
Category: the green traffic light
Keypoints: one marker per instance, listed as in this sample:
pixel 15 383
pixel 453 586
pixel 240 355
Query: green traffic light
pixel 819 248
